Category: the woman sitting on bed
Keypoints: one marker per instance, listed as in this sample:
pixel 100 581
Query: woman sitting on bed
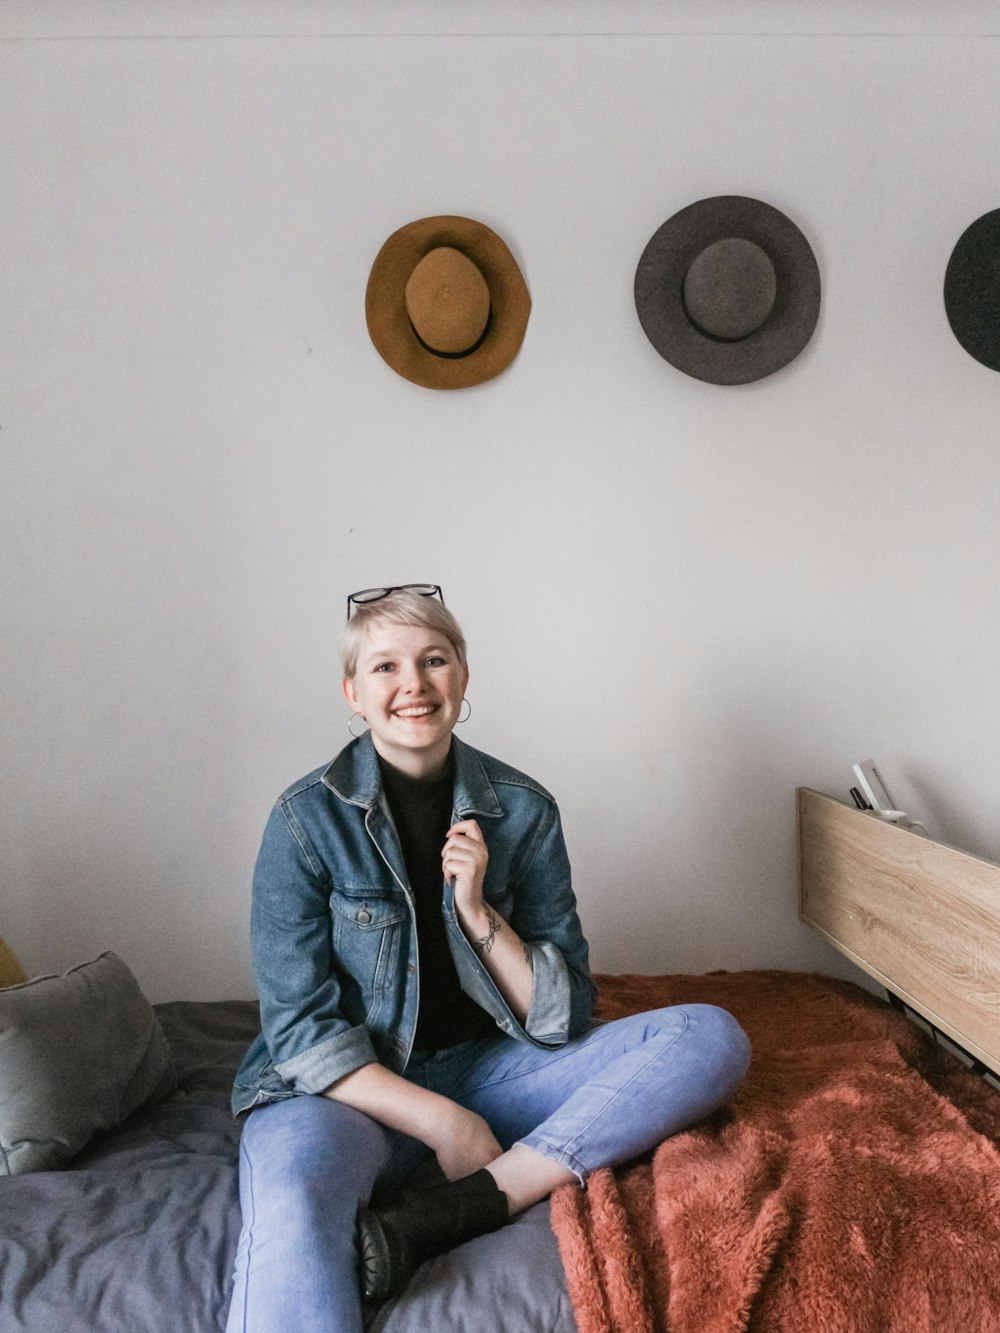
pixel 424 992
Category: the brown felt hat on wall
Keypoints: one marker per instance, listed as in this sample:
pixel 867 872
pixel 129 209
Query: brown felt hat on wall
pixel 728 290
pixel 446 303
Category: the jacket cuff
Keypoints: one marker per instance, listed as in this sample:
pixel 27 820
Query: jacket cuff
pixel 548 1017
pixel 314 1070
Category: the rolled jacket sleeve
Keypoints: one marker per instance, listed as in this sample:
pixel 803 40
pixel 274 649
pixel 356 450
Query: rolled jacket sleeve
pixel 545 917
pixel 310 1042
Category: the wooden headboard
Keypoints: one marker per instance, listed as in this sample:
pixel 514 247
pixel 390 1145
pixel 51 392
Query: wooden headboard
pixel 921 918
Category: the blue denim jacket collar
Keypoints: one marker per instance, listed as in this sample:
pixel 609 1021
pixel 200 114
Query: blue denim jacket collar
pixel 354 776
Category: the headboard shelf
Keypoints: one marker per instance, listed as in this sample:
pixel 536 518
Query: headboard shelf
pixel 920 917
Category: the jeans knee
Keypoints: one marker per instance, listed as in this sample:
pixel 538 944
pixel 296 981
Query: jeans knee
pixel 723 1040
pixel 308 1151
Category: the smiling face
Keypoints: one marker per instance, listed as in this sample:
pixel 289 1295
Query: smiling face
pixel 408 685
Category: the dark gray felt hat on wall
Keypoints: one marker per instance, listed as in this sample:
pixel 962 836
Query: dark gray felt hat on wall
pixel 972 289
pixel 728 290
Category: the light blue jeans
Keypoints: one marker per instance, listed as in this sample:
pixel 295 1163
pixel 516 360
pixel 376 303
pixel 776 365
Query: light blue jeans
pixel 307 1163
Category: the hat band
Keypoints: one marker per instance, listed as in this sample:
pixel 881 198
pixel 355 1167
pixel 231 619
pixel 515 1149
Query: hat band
pixel 718 337
pixel 455 356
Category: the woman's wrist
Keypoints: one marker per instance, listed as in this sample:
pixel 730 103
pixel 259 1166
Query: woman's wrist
pixel 441 1124
pixel 503 953
pixel 481 925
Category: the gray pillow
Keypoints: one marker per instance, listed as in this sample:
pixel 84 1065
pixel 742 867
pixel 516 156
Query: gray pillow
pixel 78 1053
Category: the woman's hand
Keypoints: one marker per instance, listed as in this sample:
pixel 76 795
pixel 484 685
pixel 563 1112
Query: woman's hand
pixel 495 942
pixel 464 861
pixel 466 1144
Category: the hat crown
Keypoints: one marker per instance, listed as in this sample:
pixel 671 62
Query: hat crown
pixel 730 288
pixel 448 301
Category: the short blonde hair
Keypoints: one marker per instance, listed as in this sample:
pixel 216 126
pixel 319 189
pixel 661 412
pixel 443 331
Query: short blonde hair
pixel 398 608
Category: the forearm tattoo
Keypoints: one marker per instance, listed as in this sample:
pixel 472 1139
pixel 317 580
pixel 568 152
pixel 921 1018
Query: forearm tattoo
pixel 484 946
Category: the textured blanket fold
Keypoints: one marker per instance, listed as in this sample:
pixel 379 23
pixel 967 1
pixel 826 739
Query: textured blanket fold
pixel 852 1185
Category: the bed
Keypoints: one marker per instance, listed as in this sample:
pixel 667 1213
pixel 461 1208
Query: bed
pixel 853 1183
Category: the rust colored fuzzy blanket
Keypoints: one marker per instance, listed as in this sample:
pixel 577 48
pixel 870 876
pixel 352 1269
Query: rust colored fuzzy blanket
pixel 852 1186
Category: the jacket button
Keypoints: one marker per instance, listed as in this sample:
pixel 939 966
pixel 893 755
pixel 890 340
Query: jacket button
pixel 363 917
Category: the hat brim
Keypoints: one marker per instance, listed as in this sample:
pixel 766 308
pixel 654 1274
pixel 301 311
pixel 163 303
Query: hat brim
pixel 972 289
pixel 659 290
pixel 389 324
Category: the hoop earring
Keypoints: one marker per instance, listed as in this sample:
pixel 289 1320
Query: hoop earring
pixel 468 714
pixel 356 734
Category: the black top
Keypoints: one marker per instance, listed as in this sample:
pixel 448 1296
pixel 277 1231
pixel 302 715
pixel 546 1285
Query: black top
pixel 422 812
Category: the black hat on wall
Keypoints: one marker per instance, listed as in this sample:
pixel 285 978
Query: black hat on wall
pixel 728 290
pixel 972 289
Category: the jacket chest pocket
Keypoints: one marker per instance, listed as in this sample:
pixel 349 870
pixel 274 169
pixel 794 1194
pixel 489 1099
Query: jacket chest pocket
pixel 366 938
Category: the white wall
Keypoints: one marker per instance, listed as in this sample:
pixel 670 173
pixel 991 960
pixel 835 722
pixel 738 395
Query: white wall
pixel 682 599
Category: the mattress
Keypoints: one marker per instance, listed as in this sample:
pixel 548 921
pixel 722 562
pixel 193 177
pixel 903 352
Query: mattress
pixel 138 1233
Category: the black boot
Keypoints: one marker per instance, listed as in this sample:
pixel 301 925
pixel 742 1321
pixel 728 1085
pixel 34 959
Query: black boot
pixel 394 1239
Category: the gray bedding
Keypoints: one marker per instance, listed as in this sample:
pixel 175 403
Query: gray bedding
pixel 137 1233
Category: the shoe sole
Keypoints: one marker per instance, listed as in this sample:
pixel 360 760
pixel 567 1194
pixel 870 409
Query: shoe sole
pixel 373 1256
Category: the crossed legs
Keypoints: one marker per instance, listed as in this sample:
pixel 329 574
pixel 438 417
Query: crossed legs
pixel 308 1164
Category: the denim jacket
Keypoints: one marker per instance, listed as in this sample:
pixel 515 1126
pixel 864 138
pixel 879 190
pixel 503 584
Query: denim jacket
pixel 334 930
